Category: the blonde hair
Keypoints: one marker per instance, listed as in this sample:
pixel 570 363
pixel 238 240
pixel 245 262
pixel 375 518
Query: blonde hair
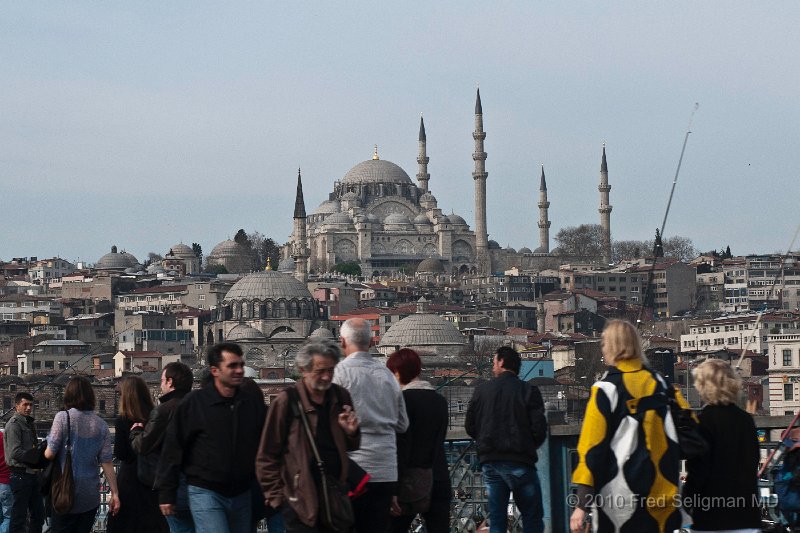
pixel 620 341
pixel 716 382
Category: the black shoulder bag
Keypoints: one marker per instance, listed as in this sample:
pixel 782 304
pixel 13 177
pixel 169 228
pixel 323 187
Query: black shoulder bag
pixel 335 510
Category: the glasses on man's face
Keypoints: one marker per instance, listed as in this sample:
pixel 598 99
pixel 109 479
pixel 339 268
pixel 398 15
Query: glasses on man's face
pixel 322 371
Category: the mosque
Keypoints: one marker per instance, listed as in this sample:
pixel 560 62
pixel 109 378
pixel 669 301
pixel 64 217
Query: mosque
pixel 378 217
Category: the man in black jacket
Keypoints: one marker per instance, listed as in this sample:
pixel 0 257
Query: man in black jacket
pixel 147 439
pixel 214 436
pixel 506 418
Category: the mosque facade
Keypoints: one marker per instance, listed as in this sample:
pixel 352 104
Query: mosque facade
pixel 377 217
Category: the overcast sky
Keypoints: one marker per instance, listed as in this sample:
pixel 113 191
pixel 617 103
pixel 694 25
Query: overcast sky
pixel 145 124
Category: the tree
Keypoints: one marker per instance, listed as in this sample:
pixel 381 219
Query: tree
pixel 621 250
pixel 217 269
pixel 198 251
pixel 241 237
pixel 348 268
pixel 585 240
pixel 152 258
pixel 677 247
pixel 680 248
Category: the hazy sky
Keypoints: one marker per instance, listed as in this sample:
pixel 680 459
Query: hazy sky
pixel 144 124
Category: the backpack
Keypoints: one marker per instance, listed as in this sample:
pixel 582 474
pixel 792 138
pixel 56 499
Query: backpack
pixel 787 482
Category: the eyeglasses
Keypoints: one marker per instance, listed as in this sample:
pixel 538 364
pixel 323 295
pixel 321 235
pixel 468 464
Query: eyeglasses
pixel 322 371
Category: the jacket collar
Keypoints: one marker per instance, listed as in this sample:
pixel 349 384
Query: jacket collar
pixel 170 395
pixel 418 385
pixel 216 397
pixel 629 365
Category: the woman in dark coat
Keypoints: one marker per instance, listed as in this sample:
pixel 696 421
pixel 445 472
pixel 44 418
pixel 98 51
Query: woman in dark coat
pixel 422 445
pixel 721 488
pixel 139 510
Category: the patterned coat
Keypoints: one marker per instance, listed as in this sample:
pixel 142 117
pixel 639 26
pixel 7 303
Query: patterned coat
pixel 629 459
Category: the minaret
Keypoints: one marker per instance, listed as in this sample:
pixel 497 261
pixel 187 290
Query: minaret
pixel 422 159
pixel 544 223
pixel 300 251
pixel 605 208
pixel 479 176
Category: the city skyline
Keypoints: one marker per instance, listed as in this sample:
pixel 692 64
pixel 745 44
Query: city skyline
pixel 143 126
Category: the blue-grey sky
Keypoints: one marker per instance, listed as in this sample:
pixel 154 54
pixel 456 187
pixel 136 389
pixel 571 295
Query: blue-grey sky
pixel 144 124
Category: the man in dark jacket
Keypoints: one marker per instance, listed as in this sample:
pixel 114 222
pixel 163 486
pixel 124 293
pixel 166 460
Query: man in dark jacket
pixel 19 437
pixel 506 418
pixel 214 436
pixel 147 439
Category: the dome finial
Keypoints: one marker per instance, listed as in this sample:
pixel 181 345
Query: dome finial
pixel 375 154
pixel 269 264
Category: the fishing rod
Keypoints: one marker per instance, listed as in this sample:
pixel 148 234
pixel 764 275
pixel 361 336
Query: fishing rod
pixel 651 273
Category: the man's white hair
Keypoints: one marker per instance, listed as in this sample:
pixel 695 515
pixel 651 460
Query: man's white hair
pixel 356 332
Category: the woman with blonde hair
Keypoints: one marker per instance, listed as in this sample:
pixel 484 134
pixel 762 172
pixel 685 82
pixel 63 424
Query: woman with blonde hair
pixel 721 486
pixel 140 511
pixel 628 454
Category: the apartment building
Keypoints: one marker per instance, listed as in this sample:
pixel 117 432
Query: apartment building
pixel 738 332
pixel 784 373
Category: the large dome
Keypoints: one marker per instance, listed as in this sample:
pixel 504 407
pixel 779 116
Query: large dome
pixel 268 285
pixel 244 332
pixel 376 171
pixel 423 329
pixel 181 250
pixel 430 266
pixel 232 255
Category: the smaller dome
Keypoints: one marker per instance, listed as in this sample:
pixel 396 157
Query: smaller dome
pixel 423 329
pixel 181 250
pixel 131 270
pixel 422 218
pixel 443 220
pixel 241 332
pixel 338 219
pixel 116 261
pixel 396 218
pixel 287 335
pixel 525 250
pixel 321 333
pixel 328 207
pixel 510 250
pixel 372 218
pixel 455 219
pixel 350 196
pixel 427 197
pixel 494 245
pixel 430 266
pixel 540 250
pixel 286 265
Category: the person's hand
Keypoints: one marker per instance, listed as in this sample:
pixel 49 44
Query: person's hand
pixel 577 521
pixel 348 420
pixel 394 508
pixel 137 425
pixel 167 509
pixel 113 504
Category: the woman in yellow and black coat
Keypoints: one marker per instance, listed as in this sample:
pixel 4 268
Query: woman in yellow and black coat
pixel 629 457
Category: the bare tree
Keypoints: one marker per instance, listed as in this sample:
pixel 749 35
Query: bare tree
pixel 585 240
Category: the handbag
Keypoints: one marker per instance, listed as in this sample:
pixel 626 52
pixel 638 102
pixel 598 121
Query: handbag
pixel 335 510
pixel 691 441
pixel 62 485
pixel 414 490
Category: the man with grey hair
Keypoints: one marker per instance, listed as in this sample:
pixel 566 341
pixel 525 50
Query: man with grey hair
pixel 285 453
pixel 378 400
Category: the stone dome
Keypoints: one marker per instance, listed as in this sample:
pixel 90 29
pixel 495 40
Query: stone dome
pixel 268 285
pixel 540 250
pixel 349 196
pixel 423 329
pixel 328 207
pixel 182 251
pixel 422 218
pixel 287 335
pixel 321 333
pixel 455 219
pixel 427 197
pixel 232 255
pixel 113 261
pixel 376 171
pixel 372 218
pixel 444 219
pixel 242 332
pixel 338 219
pixel 494 245
pixel 525 250
pixel 430 266
pixel 396 218
pixel 286 265
pixel 510 250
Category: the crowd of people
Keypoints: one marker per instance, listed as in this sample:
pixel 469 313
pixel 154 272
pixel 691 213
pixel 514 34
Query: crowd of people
pixel 357 446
